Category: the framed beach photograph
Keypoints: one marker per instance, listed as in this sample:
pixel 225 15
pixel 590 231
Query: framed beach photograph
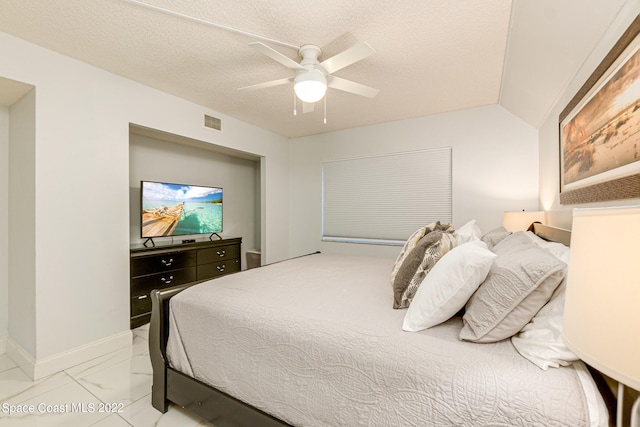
pixel 600 129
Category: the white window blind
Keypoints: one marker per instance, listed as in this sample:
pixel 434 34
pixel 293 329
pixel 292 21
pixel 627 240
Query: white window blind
pixel 384 199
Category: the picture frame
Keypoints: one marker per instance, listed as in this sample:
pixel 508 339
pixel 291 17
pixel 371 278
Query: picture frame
pixel 600 129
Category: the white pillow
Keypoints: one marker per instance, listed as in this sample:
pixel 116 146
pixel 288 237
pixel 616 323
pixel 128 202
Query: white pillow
pixel 468 232
pixel 448 286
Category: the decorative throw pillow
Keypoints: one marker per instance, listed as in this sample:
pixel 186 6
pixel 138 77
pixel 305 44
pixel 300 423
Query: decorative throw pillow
pixel 416 264
pixel 495 236
pixel 468 232
pixel 411 243
pixel 448 285
pixel 521 280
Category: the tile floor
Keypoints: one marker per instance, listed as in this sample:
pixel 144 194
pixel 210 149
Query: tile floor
pixel 73 397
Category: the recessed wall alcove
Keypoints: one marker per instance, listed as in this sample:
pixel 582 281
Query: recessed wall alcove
pixel 17 218
pixel 160 156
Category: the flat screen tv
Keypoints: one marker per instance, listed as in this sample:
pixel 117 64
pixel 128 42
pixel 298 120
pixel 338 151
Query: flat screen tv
pixel 179 209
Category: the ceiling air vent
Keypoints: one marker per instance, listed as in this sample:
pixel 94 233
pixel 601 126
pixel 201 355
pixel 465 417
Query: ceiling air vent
pixel 212 122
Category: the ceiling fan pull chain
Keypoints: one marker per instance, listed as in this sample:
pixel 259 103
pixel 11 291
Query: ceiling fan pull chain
pixel 325 108
pixel 295 113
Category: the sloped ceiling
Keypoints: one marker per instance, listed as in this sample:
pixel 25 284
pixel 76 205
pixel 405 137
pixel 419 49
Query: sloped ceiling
pixel 431 56
pixel 548 42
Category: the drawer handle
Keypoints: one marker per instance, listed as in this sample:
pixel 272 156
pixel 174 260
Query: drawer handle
pixel 222 253
pixel 221 267
pixel 167 281
pixel 143 296
pixel 167 263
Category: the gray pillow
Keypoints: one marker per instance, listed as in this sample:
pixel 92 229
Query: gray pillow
pixel 521 280
pixel 495 236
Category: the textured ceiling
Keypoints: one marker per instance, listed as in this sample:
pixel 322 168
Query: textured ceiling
pixel 431 56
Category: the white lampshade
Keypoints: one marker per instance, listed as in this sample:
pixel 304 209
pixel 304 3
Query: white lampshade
pixel 521 220
pixel 310 86
pixel 602 305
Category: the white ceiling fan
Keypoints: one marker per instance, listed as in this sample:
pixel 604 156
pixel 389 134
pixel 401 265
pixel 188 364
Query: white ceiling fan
pixel 312 76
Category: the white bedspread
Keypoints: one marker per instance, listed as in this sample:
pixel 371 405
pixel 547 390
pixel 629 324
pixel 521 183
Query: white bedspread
pixel 315 341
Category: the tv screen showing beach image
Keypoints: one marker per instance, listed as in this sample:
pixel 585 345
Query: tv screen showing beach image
pixel 178 209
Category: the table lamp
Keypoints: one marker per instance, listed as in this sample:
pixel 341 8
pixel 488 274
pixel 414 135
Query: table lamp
pixel 602 303
pixel 521 220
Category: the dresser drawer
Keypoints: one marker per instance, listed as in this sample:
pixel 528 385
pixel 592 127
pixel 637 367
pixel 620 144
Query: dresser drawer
pixel 140 304
pixel 145 284
pixel 163 262
pixel 220 253
pixel 173 265
pixel 215 269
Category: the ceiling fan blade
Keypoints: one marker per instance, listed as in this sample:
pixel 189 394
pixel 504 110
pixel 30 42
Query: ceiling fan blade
pixel 276 56
pixel 307 108
pixel 268 84
pixel 351 86
pixel 347 57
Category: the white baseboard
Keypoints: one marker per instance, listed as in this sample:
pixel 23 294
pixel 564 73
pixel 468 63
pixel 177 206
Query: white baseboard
pixel 20 356
pixel 37 369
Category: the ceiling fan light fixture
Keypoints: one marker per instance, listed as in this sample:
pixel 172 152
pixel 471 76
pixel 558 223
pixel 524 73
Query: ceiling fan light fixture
pixel 310 86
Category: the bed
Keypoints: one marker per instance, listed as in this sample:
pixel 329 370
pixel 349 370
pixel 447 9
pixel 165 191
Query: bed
pixel 315 341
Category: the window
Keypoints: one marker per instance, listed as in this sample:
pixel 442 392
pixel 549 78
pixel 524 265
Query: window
pixel 383 199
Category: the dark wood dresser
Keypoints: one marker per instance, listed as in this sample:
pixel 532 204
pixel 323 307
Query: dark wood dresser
pixel 170 265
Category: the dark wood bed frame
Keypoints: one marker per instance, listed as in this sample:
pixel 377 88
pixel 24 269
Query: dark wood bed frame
pixel 170 385
pixel 223 410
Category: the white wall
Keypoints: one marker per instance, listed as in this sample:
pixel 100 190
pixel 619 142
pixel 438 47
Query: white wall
pixel 22 222
pixel 561 215
pixel 81 191
pixel 495 168
pixel 4 226
pixel 152 159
